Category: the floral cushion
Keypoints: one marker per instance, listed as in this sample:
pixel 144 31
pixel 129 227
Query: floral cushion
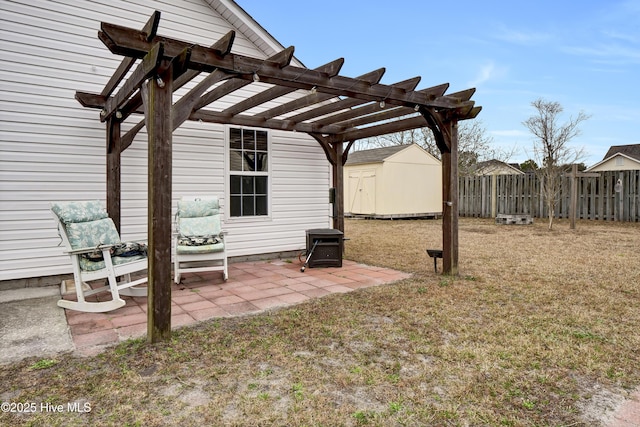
pixel 91 234
pixel 125 249
pixel 198 240
pixel 88 225
pixel 199 227
pixel 88 265
pixel 70 212
pixel 202 226
pixel 198 208
pixel 200 249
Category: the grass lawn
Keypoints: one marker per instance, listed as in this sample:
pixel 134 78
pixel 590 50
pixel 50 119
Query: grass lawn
pixel 541 328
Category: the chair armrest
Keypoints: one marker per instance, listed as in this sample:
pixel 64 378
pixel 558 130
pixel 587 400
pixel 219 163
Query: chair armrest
pixel 88 250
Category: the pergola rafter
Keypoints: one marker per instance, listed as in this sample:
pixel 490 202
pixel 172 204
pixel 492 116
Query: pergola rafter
pixel 331 108
pixel 315 98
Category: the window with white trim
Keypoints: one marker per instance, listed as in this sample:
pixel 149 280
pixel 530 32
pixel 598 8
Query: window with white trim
pixel 248 172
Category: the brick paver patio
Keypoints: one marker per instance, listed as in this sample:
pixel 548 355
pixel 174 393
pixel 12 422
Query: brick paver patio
pixel 252 287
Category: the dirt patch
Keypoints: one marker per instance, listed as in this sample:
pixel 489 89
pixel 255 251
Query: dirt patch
pixel 599 405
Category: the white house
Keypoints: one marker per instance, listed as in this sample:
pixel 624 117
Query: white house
pixel 53 149
pixel 393 182
pixel 619 157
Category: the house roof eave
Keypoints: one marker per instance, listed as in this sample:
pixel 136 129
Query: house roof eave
pixel 601 162
pixel 244 23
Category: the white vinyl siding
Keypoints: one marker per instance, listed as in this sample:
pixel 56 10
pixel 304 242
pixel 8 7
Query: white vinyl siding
pixel 53 149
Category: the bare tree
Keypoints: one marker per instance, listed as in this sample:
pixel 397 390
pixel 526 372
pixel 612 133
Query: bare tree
pixel 474 145
pixel 551 147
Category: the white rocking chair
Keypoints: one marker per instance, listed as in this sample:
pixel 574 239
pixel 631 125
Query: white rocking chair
pixel 199 239
pixel 92 242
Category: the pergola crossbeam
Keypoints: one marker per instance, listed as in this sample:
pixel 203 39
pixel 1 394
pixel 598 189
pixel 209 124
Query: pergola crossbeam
pixel 373 117
pixel 150 29
pixel 223 45
pixel 377 130
pixel 148 67
pixel 317 98
pixel 331 69
pixel 279 60
pixel 246 120
pixel 128 41
pixel 353 112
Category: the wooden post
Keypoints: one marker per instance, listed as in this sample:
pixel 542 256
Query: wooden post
pixel 450 202
pixel 541 204
pixel 159 128
pixel 619 194
pixel 573 206
pixel 338 183
pixel 494 196
pixel 114 180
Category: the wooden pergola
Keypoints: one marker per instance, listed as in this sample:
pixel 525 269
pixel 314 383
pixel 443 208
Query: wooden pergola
pixel 335 110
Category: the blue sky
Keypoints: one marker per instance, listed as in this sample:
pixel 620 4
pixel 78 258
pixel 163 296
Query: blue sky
pixel 584 55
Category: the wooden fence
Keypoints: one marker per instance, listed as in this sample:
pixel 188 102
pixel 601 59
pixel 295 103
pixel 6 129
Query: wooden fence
pixel 612 196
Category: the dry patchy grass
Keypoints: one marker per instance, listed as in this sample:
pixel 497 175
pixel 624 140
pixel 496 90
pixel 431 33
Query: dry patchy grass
pixel 540 328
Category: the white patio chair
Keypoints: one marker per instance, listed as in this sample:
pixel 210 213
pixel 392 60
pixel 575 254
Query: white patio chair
pixel 199 239
pixel 92 242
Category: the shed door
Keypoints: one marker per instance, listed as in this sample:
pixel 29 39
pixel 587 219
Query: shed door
pixel 362 190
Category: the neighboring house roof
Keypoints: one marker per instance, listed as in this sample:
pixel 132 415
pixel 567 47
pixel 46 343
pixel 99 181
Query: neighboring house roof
pixel 375 155
pixel 631 152
pixel 492 167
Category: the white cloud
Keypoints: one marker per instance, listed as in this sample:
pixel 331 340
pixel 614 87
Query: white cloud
pixel 486 73
pixel 616 35
pixel 527 38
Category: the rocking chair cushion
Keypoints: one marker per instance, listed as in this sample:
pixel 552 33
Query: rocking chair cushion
pixel 198 208
pixel 91 234
pixel 88 265
pixel 125 249
pixel 71 212
pixel 200 249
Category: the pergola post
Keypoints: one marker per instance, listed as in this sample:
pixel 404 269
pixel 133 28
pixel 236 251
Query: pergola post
pixel 338 184
pixel 159 128
pixel 450 200
pixel 114 170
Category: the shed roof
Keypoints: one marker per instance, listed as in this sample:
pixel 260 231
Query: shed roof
pixel 374 155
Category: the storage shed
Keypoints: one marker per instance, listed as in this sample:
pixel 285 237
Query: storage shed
pixel 401 181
